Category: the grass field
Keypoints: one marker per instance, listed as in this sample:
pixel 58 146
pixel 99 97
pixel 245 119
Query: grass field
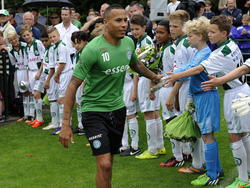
pixel 32 158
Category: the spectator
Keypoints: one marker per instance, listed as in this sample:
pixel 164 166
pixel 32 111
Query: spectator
pixel 12 16
pixel 200 7
pixel 54 19
pixel 208 13
pixel 243 32
pixel 222 5
pixel 40 26
pixel 103 8
pixel 75 18
pixel 247 6
pixel 40 18
pixel 231 10
pixel 97 28
pixel 66 28
pixel 19 16
pixel 5 25
pixel 28 18
pixel 172 6
pixel 136 8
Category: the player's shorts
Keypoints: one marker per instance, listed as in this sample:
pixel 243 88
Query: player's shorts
pixel 183 94
pixel 147 105
pixel 53 90
pixel 64 82
pixel 79 93
pixel 32 80
pixel 207 107
pixel 39 86
pixel 130 105
pixel 21 75
pixel 235 123
pixel 163 95
pixel 104 130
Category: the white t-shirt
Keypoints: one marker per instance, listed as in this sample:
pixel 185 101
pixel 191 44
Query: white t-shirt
pixel 35 54
pixel 168 58
pixel 223 60
pixel 172 7
pixel 18 57
pixel 183 52
pixel 65 35
pixel 62 55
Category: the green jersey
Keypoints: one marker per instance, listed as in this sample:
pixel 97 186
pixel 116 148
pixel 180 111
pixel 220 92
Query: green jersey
pixel 103 67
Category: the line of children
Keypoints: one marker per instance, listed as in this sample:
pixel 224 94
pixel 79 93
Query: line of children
pixel 224 59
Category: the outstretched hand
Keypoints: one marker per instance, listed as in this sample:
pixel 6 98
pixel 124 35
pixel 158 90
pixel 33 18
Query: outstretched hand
pixel 210 84
pixel 170 79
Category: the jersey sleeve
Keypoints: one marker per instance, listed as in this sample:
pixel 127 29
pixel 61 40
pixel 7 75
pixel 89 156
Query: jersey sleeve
pixel 41 48
pixel 12 58
pixel 62 54
pixel 214 63
pixel 87 59
pixel 247 63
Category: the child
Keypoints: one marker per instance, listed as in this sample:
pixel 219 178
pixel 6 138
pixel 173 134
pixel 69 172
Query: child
pixel 18 59
pixel 49 84
pixel 224 59
pixel 183 54
pixel 243 32
pixel 148 104
pixel 34 51
pixel 166 49
pixel 208 13
pixel 63 70
pixel 79 41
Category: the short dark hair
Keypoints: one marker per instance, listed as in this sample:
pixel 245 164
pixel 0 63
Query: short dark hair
pixel 223 22
pixel 79 36
pixel 138 20
pixel 134 3
pixel 165 23
pixel 110 8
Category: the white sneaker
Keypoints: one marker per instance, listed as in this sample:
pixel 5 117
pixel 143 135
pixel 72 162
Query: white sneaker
pixel 50 126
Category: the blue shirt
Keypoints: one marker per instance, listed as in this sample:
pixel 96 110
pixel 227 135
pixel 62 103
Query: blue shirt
pixel 195 81
pixel 235 13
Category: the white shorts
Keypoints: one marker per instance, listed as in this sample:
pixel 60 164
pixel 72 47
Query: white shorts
pixel 53 90
pixel 39 86
pixel 22 75
pixel 130 105
pixel 163 95
pixel 236 124
pixel 79 93
pixel 147 105
pixel 64 82
pixel 183 94
pixel 32 80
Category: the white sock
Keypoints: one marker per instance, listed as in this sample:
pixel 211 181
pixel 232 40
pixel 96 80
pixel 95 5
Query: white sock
pixel 39 109
pixel 79 117
pixel 186 148
pixel 26 107
pixel 159 133
pixel 61 106
pixel 240 158
pixel 246 142
pixel 134 132
pixel 197 153
pixel 54 112
pixel 177 149
pixel 125 135
pixel 32 106
pixel 151 135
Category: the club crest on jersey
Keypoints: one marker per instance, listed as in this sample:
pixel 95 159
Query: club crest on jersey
pixel 97 144
pixel 129 54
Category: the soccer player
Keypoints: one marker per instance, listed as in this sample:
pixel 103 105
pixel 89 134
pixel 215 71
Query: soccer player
pixel 49 84
pixel 34 52
pixel 183 54
pixel 79 40
pixel 223 60
pixel 63 70
pixel 17 58
pixel 102 65
pixel 148 104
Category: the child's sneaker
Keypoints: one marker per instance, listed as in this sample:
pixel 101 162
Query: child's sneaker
pixel 161 151
pixel 187 157
pixel 203 180
pixel 172 162
pixel 238 183
pixel 57 131
pixel 37 124
pixel 192 170
pixel 147 155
